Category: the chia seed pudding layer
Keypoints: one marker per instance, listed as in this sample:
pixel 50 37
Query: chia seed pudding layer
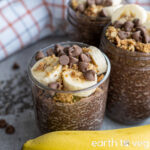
pixel 129 95
pixel 87 27
pixel 62 109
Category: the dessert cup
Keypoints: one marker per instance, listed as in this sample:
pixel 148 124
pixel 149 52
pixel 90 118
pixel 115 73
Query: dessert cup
pixel 129 95
pixel 84 28
pixel 85 114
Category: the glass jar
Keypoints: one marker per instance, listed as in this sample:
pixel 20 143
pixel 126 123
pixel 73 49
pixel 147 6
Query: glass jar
pixel 85 114
pixel 129 92
pixel 84 28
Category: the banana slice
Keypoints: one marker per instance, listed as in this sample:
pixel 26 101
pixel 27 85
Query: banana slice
pixel 98 59
pixel 111 9
pixel 116 2
pixel 76 3
pixel 147 23
pixel 47 70
pixel 130 11
pixel 73 80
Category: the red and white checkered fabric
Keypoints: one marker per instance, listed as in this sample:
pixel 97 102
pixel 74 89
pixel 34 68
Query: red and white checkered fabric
pixel 24 21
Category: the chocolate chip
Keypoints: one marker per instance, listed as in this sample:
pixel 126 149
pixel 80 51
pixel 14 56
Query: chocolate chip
pixel 73 60
pixel 128 26
pixel 15 66
pixel 74 51
pixel 39 55
pixel 99 2
pixel 84 58
pixel 54 85
pixel 91 2
pixel 102 13
pixel 3 123
pixel 50 52
pixel 107 3
pixel 123 35
pixel 117 24
pixel 145 36
pixel 83 66
pixel 81 8
pixel 59 50
pixel 64 60
pixel 10 129
pixel 89 75
pixel 137 36
pixel 137 22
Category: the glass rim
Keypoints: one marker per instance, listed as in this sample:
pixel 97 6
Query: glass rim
pixel 122 51
pixel 41 86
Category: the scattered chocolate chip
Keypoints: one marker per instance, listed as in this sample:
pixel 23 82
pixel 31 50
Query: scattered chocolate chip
pixel 99 2
pixel 81 8
pixel 15 66
pixel 74 51
pixel 102 13
pixel 39 55
pixel 83 66
pixel 91 2
pixel 144 33
pixel 137 22
pixel 10 129
pixel 64 60
pixel 54 85
pixel 107 3
pixel 50 52
pixel 137 36
pixel 117 24
pixel 123 35
pixel 73 60
pixel 128 26
pixel 89 75
pixel 3 123
pixel 84 58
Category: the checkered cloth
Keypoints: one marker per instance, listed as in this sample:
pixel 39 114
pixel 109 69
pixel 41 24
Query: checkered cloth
pixel 24 21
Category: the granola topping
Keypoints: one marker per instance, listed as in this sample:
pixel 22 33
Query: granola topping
pixel 129 37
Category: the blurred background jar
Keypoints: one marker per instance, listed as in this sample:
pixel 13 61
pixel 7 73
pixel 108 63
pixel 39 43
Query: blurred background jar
pixel 87 18
pixel 129 92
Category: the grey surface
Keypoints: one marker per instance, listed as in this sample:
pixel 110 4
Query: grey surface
pixel 24 121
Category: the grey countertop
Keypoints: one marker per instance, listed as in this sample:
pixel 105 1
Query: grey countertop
pixel 16 101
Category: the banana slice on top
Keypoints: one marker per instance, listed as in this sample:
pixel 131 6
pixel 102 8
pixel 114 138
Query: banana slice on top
pixel 47 70
pixel 130 11
pixel 111 9
pixel 116 2
pixel 73 80
pixel 98 59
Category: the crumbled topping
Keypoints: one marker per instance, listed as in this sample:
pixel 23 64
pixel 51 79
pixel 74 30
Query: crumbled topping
pixel 128 44
pixel 64 97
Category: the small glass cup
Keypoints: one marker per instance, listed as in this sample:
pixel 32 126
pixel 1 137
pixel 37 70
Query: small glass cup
pixel 129 92
pixel 84 28
pixel 85 114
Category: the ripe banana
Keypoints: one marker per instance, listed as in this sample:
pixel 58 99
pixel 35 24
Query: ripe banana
pixel 111 9
pixel 98 59
pixel 137 138
pixel 129 11
pixel 73 80
pixel 47 70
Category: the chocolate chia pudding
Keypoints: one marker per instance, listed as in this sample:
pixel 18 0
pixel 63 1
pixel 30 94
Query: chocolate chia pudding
pixel 88 17
pixel 126 41
pixel 69 86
